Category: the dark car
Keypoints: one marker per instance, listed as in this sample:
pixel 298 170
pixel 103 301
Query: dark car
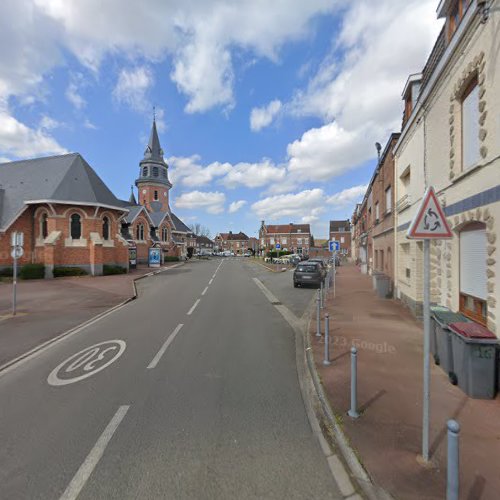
pixel 320 260
pixel 308 273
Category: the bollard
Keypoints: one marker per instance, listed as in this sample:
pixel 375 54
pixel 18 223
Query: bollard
pixel 353 412
pixel 321 293
pixel 453 461
pixel 326 361
pixel 318 316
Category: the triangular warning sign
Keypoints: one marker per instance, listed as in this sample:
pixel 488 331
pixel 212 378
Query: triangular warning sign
pixel 430 221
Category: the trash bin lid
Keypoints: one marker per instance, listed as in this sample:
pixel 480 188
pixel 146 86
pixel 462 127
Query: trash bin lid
pixel 439 308
pixel 472 330
pixel 447 317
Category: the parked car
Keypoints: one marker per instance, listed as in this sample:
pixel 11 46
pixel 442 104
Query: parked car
pixel 320 260
pixel 308 273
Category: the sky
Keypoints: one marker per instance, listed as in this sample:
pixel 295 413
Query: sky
pixel 265 110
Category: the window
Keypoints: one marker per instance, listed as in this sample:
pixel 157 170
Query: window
pixel 155 195
pixel 155 171
pixel 470 125
pixel 44 231
pixel 105 228
pixel 164 234
pixel 271 241
pixel 473 279
pixel 377 213
pixel 283 240
pixel 342 239
pixel 76 227
pixel 164 173
pixel 139 232
pixel 388 200
pixel 144 171
pixel 299 241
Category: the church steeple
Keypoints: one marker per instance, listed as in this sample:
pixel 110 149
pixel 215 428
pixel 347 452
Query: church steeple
pixel 153 183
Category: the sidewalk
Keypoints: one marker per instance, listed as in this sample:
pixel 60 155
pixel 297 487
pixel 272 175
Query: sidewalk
pixel 387 436
pixel 47 308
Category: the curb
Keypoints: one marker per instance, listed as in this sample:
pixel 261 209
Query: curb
pixel 330 429
pixel 9 365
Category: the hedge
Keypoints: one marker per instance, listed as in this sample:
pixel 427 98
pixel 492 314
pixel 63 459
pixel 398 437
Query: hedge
pixel 69 271
pixel 32 272
pixel 171 258
pixel 6 272
pixel 110 269
pixel 273 254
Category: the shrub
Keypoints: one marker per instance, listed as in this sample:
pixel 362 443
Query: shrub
pixel 32 272
pixel 274 254
pixel 110 269
pixel 69 271
pixel 171 258
pixel 6 272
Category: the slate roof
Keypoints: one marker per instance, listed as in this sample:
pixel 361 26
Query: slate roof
pixel 157 218
pixel 234 236
pixel 153 149
pixel 134 211
pixel 288 228
pixel 204 239
pixel 335 225
pixel 179 225
pixel 66 178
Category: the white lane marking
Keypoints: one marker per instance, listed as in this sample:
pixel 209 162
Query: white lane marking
pixel 204 291
pixel 86 362
pixel 211 281
pixel 80 478
pixel 164 347
pixel 194 307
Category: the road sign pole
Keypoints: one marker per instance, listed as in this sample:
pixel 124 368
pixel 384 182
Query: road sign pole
pixel 427 336
pixel 14 282
pixel 334 271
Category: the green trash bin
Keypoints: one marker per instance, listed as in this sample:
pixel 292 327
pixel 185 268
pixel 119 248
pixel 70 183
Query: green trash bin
pixel 434 350
pixel 444 355
pixel 474 359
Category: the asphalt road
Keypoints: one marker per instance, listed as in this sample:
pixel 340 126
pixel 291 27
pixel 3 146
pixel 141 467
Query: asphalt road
pixel 210 409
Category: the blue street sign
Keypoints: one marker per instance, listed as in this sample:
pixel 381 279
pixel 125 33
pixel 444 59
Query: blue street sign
pixel 154 257
pixel 278 246
pixel 334 246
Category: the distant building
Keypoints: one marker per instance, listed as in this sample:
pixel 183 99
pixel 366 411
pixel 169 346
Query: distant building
pixel 340 230
pixel 232 242
pixel 203 243
pixel 295 238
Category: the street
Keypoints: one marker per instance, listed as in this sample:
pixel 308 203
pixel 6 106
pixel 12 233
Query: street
pixel 190 391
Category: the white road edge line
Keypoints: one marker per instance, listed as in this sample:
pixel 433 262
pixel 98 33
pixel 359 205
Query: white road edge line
pixel 164 347
pixel 80 478
pixel 211 281
pixel 194 307
pixel 204 291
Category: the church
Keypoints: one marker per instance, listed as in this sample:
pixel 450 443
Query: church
pixel 70 218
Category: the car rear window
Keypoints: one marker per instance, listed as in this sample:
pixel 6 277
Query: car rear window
pixel 307 268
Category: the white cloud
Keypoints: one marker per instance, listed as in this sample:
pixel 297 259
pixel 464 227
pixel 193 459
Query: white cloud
pixel 88 124
pixel 132 86
pixel 348 197
pixel 188 171
pixel 304 204
pixel 236 205
pixel 211 202
pixel 253 175
pixel 48 123
pixel 73 96
pixel 262 117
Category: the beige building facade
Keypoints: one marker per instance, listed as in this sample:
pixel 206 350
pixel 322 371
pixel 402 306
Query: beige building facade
pixel 451 140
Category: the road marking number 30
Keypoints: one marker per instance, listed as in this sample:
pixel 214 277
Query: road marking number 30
pixel 86 362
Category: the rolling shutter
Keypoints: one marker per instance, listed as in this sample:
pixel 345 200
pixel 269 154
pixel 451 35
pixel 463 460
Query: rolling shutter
pixel 473 263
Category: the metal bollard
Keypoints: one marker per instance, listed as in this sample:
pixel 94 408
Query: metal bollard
pixel 321 293
pixel 318 316
pixel 453 479
pixel 353 412
pixel 326 361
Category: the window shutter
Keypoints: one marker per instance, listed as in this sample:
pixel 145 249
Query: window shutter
pixel 473 257
pixel 470 128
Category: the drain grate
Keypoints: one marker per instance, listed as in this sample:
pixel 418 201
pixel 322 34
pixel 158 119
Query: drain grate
pixel 276 303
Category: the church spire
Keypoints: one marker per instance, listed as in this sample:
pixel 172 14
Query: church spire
pixel 132 199
pixel 153 150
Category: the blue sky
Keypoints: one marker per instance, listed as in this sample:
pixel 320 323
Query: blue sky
pixel 266 110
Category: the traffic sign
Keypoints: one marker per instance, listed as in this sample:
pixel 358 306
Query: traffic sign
pixel 278 246
pixel 430 221
pixel 17 252
pixel 334 246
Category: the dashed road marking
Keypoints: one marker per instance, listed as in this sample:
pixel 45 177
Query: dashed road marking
pixel 194 307
pixel 204 291
pixel 211 281
pixel 86 469
pixel 164 347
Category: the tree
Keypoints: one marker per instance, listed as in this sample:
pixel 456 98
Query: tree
pixel 200 230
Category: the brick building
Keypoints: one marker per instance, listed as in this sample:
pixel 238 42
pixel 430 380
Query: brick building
pixel 204 244
pixel 69 217
pixel 340 230
pixel 295 238
pixel 232 242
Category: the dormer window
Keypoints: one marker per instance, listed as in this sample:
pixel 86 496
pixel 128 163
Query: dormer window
pixel 456 13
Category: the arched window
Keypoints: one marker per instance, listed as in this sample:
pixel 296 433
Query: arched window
pixel 76 227
pixel 155 195
pixel 473 277
pixel 105 228
pixel 164 234
pixel 44 230
pixel 155 171
pixel 144 171
pixel 140 232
